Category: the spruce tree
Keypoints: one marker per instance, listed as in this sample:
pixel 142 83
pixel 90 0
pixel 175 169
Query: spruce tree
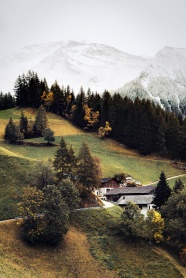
pixel 49 136
pixel 65 161
pixel 40 122
pixel 178 186
pixel 87 172
pixel 23 125
pixel 162 192
pixel 12 133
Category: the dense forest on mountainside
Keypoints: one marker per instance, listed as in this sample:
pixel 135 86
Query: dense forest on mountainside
pixel 138 124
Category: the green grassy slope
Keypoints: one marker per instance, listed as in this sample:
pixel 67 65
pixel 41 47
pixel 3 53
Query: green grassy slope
pixel 16 160
pixel 90 249
pixel 13 172
pixel 132 260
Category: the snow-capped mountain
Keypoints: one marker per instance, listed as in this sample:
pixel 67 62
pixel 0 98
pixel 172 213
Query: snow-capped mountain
pixel 94 66
pixel 163 80
pixel 100 67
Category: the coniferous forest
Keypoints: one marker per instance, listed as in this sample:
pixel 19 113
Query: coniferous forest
pixel 138 124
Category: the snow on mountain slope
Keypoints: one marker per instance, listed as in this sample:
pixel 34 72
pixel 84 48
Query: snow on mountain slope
pixel 99 67
pixel 163 80
pixel 78 64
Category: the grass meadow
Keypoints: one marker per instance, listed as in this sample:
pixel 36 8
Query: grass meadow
pixel 16 161
pixel 90 249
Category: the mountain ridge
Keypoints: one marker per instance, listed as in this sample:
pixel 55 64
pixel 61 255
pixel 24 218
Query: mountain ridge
pixel 100 67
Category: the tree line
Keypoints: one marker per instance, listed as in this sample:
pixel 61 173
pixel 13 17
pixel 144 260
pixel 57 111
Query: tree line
pixel 7 101
pixel 138 124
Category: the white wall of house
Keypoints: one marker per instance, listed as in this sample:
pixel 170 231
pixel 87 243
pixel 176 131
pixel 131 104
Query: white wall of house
pixel 145 208
pixel 102 191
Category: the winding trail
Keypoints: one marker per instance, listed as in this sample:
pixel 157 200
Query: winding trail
pixel 174 177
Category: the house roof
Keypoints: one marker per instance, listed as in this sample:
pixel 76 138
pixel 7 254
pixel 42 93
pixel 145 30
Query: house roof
pixel 107 179
pixel 137 199
pixel 137 190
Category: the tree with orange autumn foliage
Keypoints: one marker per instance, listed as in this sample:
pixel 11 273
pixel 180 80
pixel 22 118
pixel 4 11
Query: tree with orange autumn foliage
pixel 104 131
pixel 90 117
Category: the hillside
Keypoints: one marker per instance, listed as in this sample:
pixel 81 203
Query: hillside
pixel 90 249
pixel 16 161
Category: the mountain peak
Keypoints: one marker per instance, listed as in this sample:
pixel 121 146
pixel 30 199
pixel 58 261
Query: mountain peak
pixel 73 63
pixel 99 67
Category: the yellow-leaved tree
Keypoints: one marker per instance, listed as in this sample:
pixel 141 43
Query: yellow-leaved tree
pixel 154 225
pixel 47 98
pixel 104 131
pixel 90 117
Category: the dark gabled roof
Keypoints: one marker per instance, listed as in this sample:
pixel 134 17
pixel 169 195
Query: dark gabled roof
pixel 132 190
pixel 107 179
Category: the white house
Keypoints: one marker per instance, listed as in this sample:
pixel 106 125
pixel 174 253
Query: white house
pixel 140 195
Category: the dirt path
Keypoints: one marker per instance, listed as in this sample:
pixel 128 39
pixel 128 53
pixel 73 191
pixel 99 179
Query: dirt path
pixel 165 254
pixel 174 177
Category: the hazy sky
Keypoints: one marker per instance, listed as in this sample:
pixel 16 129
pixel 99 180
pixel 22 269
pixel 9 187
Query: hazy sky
pixel 135 26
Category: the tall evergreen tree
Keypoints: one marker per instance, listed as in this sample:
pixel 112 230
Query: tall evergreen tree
pixel 12 132
pixel 162 192
pixel 105 106
pixel 78 111
pixel 49 136
pixel 87 172
pixel 178 186
pixel 65 161
pixel 23 125
pixel 58 101
pixel 40 122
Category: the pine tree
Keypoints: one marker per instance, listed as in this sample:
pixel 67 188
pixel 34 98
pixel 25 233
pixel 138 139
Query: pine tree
pixel 178 186
pixel 105 106
pixel 162 192
pixel 65 161
pixel 49 136
pixel 87 172
pixel 78 111
pixel 12 132
pixel 23 125
pixel 40 122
